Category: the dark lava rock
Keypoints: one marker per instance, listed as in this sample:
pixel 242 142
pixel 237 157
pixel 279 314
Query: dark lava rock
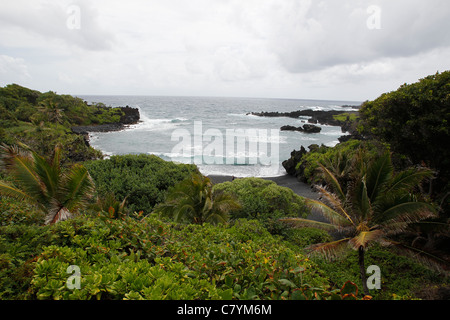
pixel 290 164
pixel 310 128
pixel 307 128
pixel 131 115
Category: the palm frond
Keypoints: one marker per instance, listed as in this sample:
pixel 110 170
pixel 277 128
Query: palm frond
pixel 7 155
pixel 425 258
pixel 359 198
pixel 331 200
pixel 408 179
pixel 77 187
pixel 329 250
pixel 335 218
pixel 406 212
pixel 225 202
pixel 365 238
pixel 25 176
pixel 300 223
pixel 379 172
pixel 332 180
pixel 217 217
pixel 48 175
pixel 9 191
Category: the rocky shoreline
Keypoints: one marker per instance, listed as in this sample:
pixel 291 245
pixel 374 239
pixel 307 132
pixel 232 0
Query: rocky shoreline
pixel 307 128
pixel 316 116
pixel 343 119
pixel 130 116
pixel 336 118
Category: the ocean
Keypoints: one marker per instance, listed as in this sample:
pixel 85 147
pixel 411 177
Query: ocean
pixel 215 133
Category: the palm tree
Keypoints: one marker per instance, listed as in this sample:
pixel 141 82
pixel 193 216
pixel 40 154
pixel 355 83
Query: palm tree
pixel 52 111
pixel 376 205
pixel 194 201
pixel 56 192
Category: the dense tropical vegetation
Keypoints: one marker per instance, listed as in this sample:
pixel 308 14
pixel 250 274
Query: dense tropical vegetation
pixel 373 206
pixel 139 227
pixel 44 120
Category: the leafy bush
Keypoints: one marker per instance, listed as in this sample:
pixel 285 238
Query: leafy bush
pixel 143 179
pixel 122 277
pixel 414 119
pixel 149 259
pixel 338 158
pixel 16 212
pixel 264 200
pixel 145 258
pixel 259 196
pixel 21 239
pixel 303 237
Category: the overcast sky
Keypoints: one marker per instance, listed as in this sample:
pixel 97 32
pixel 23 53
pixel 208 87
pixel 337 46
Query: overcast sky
pixel 308 49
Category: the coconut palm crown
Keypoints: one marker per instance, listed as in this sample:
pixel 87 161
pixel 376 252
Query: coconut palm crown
pixel 57 192
pixel 194 201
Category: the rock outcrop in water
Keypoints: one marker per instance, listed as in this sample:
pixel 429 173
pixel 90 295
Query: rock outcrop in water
pixel 316 116
pixel 331 117
pixel 131 115
pixel 307 128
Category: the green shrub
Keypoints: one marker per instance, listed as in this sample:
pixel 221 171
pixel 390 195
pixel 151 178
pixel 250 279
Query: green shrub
pixel 338 157
pixel 149 259
pixel 414 120
pixel 303 237
pixel 19 244
pixel 143 179
pixel 145 258
pixel 263 197
pixel 121 277
pixel 15 212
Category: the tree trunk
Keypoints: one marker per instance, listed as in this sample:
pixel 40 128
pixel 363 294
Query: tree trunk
pixel 362 270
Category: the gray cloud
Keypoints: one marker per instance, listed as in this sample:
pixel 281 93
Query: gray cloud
pixel 281 48
pixel 52 21
pixel 313 35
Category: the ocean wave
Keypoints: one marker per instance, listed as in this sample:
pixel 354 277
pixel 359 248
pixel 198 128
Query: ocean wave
pixel 245 115
pixel 232 158
pixel 147 124
pixel 242 171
